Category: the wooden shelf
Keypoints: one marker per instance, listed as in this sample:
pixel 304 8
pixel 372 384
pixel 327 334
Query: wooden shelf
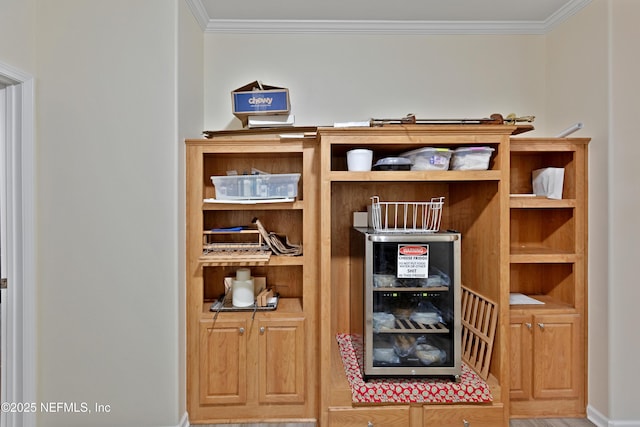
pixel 285 305
pixel 245 144
pixel 394 176
pixel 516 202
pixel 539 254
pixel 275 260
pixel 296 205
pixel 550 304
pixel 546 145
pixel 341 390
pixel 418 134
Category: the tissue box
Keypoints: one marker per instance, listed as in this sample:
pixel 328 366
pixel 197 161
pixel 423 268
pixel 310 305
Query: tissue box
pixel 548 182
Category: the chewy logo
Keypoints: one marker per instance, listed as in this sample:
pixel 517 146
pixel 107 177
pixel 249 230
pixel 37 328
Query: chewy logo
pixel 259 101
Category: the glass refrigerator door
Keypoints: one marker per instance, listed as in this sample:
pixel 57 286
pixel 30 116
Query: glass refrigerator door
pixel 412 299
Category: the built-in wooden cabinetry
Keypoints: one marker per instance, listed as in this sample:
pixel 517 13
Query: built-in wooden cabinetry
pixel 476 205
pixel 548 262
pixel 247 360
pixel 285 365
pixel 246 366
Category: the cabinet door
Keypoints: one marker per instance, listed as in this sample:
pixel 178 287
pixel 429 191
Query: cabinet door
pixel 223 362
pixel 557 366
pixel 520 356
pixel 281 360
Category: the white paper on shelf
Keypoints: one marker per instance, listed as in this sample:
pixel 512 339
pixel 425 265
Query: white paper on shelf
pixel 522 299
pixel 292 136
pixel 249 201
pixel 363 124
pixel 271 120
pixel 548 182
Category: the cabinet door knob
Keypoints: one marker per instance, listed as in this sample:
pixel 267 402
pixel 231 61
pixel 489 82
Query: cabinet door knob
pixel 465 423
pixel 528 325
pixel 541 325
pixel 262 330
pixel 369 424
pixel 241 330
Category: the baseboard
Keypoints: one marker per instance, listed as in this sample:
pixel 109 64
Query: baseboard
pixel 184 421
pixel 600 420
pixel 596 417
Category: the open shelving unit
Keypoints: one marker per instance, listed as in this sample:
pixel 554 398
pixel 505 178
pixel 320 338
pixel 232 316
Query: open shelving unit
pixel 249 366
pixel 285 365
pixel 548 262
pixel 475 202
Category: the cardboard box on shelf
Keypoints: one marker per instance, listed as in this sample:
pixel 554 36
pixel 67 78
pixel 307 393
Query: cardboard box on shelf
pixel 256 98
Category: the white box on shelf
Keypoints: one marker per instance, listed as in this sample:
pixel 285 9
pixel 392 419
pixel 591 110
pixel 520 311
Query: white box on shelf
pixel 548 182
pixel 360 219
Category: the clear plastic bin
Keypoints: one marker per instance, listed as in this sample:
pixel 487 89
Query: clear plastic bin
pixel 429 158
pixel 471 158
pixel 255 187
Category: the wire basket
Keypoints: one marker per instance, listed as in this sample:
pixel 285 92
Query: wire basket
pixel 406 217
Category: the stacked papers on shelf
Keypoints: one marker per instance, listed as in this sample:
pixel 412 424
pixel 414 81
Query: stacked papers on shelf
pixel 522 299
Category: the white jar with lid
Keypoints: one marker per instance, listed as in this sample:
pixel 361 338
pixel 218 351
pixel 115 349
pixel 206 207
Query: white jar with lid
pixel 243 294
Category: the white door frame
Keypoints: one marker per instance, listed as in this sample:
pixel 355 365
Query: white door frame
pixel 19 372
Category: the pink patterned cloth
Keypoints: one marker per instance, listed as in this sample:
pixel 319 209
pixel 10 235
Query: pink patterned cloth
pixel 470 389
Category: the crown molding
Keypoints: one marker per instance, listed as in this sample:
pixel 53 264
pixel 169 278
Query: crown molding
pixel 310 26
pixel 371 27
pixel 564 13
pixel 199 12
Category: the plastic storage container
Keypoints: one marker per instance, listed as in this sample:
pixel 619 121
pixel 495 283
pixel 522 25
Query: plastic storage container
pixel 471 158
pixel 393 164
pixel 262 186
pixel 359 159
pixel 429 158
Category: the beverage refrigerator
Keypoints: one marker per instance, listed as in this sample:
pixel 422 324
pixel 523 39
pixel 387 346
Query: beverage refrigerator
pixel 409 288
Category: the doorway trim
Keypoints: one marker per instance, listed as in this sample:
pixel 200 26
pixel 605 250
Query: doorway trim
pixel 21 363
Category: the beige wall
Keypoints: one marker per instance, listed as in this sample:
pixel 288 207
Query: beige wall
pixel 356 77
pixel 624 202
pixel 107 200
pixel 578 91
pixel 17 34
pixel 190 124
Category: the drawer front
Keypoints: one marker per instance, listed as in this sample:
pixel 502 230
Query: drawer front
pixel 369 417
pixel 463 416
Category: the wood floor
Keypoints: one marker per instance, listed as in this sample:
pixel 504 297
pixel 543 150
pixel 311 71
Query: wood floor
pixel 542 422
pixel 552 422
pixel 260 425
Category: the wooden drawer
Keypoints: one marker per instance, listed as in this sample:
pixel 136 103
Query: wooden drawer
pixel 463 416
pixel 397 416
